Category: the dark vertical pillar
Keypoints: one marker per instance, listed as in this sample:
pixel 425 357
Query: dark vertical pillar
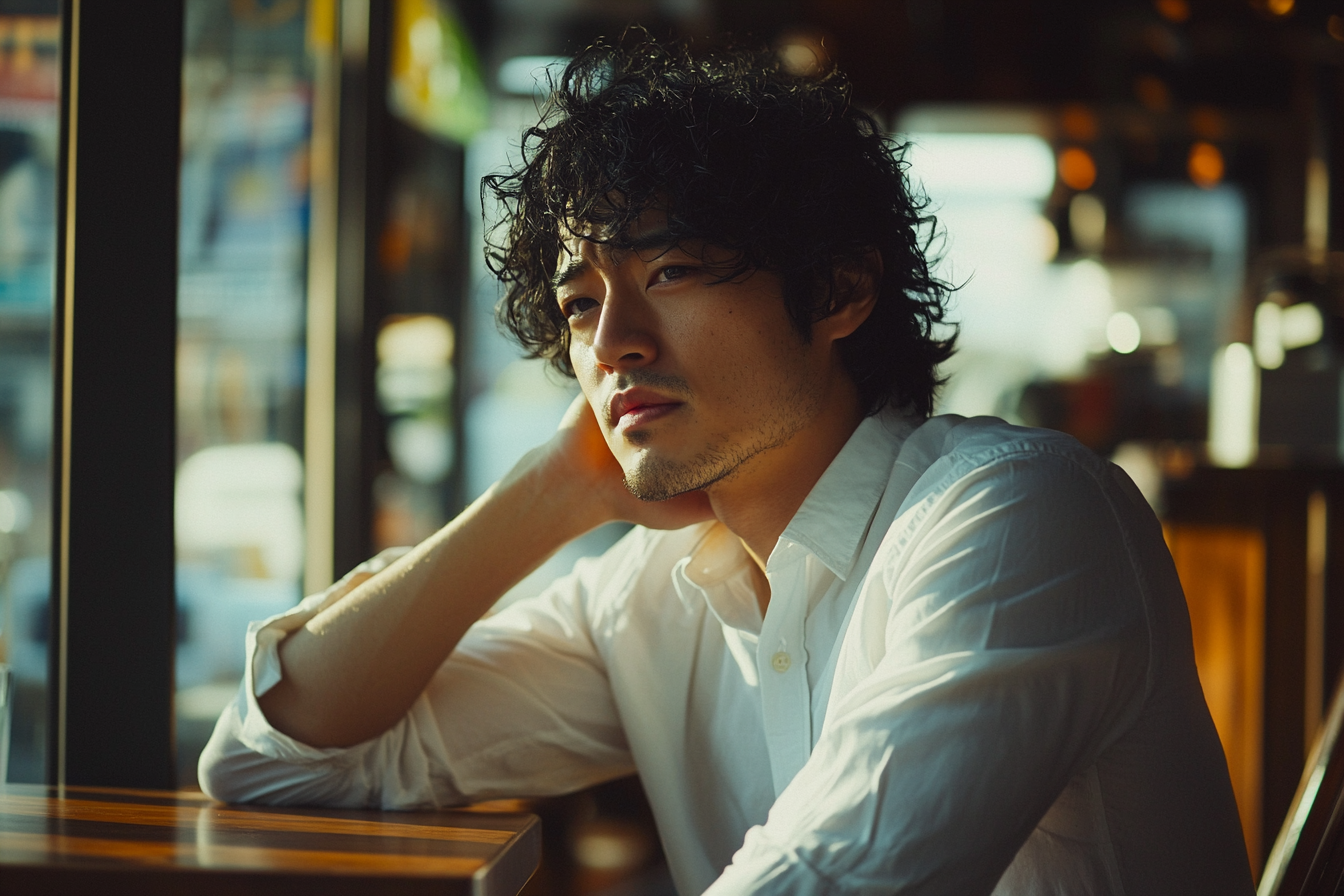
pixel 1285 531
pixel 115 345
pixel 1332 138
pixel 359 287
pixel 1334 588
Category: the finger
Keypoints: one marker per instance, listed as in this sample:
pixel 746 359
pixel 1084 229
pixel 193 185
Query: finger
pixel 582 431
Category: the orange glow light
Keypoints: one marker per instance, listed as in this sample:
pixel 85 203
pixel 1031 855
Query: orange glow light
pixel 1279 7
pixel 1335 27
pixel 1173 10
pixel 1205 164
pixel 1077 169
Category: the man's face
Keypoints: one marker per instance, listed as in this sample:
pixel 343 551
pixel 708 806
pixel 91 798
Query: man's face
pixel 692 381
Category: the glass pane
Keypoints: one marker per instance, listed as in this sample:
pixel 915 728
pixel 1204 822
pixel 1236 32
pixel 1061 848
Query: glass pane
pixel 29 116
pixel 1103 321
pixel 247 97
pixel 437 101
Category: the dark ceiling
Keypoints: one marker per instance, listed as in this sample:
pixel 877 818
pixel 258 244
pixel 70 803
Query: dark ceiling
pixel 1236 54
pixel 1230 53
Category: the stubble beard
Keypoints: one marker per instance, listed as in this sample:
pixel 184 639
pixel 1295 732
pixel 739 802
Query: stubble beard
pixel 657 478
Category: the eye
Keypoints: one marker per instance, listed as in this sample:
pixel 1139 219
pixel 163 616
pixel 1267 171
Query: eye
pixel 672 272
pixel 577 307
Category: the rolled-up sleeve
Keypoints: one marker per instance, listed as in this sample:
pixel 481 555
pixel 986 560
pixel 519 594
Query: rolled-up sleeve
pixel 1000 644
pixel 522 707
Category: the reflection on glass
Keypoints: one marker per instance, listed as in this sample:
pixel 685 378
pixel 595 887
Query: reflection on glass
pixel 29 113
pixel 242 255
pixel 437 101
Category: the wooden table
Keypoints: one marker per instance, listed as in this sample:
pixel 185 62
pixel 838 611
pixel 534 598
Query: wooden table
pixel 144 842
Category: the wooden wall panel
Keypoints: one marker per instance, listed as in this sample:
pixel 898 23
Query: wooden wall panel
pixel 1222 570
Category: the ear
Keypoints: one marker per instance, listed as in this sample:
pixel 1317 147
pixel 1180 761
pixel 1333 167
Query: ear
pixel 855 284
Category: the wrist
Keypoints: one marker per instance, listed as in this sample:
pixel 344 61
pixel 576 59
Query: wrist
pixel 560 490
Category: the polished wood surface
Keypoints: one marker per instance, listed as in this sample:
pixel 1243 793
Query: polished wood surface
pixel 1302 620
pixel 1222 570
pixel 112 841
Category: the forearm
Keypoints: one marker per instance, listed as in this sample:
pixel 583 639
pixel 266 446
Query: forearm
pixel 357 667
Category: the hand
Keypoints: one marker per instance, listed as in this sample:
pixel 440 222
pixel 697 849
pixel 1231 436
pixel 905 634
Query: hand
pixel 581 449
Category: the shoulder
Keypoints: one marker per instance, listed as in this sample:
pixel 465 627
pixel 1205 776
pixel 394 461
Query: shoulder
pixel 1026 533
pixel 1039 489
pixel 979 441
pixel 1020 458
pixel 1008 537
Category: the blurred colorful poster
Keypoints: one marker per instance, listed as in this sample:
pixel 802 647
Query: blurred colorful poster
pixel 435 81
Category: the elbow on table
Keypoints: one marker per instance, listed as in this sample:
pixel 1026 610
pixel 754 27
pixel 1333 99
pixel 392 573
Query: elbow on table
pixel 217 779
pixel 247 777
pixel 231 772
pixel 222 769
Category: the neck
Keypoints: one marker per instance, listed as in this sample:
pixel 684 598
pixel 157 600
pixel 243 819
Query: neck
pixel 757 502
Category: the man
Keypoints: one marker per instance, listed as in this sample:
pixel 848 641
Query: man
pixel 847 649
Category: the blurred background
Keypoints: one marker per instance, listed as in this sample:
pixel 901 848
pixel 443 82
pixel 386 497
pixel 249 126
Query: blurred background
pixel 1141 199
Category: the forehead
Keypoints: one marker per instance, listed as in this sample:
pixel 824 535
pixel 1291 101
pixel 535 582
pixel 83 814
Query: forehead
pixel 580 238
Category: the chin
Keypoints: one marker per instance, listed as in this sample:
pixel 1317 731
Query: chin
pixel 655 477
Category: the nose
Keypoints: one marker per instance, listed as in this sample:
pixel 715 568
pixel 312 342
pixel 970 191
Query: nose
pixel 625 333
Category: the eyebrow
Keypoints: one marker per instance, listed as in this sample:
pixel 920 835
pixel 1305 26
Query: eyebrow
pixel 576 267
pixel 571 270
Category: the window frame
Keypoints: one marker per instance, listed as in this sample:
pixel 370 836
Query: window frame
pixel 114 349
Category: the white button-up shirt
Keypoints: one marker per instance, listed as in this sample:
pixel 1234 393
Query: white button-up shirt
pixel 974 674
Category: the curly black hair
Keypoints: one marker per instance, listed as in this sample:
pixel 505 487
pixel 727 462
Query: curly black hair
pixel 779 168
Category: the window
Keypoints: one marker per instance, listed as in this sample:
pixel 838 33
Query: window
pixel 242 281
pixel 29 112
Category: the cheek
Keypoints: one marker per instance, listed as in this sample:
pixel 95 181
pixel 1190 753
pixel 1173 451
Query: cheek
pixel 585 372
pixel 580 361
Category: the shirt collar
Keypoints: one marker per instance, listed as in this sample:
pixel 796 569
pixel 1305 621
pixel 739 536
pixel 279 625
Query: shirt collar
pixel 717 556
pixel 830 523
pixel 834 518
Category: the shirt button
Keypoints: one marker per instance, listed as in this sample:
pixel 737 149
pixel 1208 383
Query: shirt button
pixel 781 661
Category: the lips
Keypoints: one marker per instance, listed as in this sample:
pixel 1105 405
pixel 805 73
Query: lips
pixel 635 406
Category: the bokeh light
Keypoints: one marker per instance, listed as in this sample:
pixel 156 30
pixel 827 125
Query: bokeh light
pixel 1077 169
pixel 1205 164
pixel 1173 10
pixel 1123 332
